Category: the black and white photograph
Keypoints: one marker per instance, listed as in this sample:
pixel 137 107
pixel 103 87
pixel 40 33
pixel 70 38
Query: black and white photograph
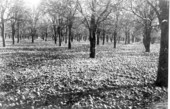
pixel 84 54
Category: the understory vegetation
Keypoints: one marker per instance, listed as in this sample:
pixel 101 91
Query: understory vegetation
pixel 42 76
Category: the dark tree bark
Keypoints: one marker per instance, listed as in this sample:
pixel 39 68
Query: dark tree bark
pixel 59 34
pixel 55 34
pixel 13 33
pixel 92 33
pixel 115 37
pixel 46 34
pixel 147 36
pixel 2 30
pixel 69 36
pixel 33 32
pixel 92 43
pixel 18 32
pixel 32 38
pixel 128 38
pixel 162 74
pixel 66 35
pixel 107 38
pixel 98 36
pixel 103 37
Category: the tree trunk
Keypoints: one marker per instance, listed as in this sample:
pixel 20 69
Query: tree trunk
pixel 107 38
pixel 32 38
pixel 46 35
pixel 2 31
pixel 18 32
pixel 55 34
pixel 92 32
pixel 13 33
pixel 147 37
pixel 66 35
pixel 103 37
pixel 162 74
pixel 128 38
pixel 115 35
pixel 111 38
pixel 98 37
pixel 133 38
pixel 92 43
pixel 69 36
pixel 33 34
pixel 59 34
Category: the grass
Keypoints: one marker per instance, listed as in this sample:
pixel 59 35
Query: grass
pixel 43 75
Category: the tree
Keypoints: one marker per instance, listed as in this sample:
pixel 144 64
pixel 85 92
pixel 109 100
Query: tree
pixel 163 17
pixel 146 14
pixel 99 11
pixel 33 15
pixel 115 30
pixel 70 8
pixel 4 4
pixel 16 17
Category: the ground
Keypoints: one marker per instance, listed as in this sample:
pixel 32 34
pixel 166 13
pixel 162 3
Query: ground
pixel 45 76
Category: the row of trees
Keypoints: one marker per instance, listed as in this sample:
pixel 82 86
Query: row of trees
pixel 63 20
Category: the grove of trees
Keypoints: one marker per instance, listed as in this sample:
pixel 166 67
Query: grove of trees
pixel 65 21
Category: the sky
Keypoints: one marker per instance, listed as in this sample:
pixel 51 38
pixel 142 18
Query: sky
pixel 32 3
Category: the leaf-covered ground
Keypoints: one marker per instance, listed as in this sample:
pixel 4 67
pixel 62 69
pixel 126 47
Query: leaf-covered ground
pixel 45 76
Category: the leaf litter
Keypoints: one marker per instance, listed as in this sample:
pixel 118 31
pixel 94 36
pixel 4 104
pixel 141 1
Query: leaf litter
pixel 57 78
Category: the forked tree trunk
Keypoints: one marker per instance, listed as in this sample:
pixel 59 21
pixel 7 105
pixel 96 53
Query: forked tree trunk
pixel 162 74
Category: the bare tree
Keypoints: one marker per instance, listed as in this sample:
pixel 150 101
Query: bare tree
pixel 147 15
pixel 34 15
pixel 70 11
pixel 4 6
pixel 16 17
pixel 99 11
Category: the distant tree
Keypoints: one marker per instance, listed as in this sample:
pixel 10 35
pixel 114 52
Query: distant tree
pixel 146 15
pixel 33 17
pixel 16 16
pixel 70 11
pixel 4 6
pixel 127 24
pixel 97 13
